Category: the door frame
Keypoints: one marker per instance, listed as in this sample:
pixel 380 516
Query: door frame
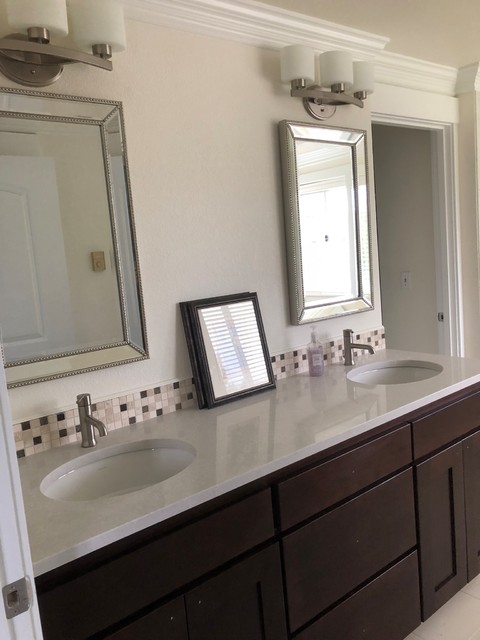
pixel 15 558
pixel 446 227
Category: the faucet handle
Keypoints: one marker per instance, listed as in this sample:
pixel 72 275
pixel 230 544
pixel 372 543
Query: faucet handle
pixel 83 400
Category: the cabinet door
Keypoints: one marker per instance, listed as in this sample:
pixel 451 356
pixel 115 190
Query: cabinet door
pixel 243 602
pixel 168 622
pixel 441 518
pixel 471 463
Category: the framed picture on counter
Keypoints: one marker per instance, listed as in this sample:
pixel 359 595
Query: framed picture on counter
pixel 227 348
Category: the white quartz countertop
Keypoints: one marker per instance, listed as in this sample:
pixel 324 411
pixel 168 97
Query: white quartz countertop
pixel 236 443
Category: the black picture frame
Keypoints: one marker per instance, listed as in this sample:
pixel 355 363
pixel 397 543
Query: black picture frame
pixel 227 347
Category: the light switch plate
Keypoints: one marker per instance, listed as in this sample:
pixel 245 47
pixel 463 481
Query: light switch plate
pixel 98 260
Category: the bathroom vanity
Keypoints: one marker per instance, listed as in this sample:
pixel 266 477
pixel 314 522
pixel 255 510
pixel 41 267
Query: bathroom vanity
pixel 322 509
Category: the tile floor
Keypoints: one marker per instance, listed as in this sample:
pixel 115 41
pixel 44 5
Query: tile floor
pixel 459 619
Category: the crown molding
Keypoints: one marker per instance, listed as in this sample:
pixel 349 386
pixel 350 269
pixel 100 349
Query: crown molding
pixel 412 73
pixel 468 79
pixel 262 25
pixel 253 23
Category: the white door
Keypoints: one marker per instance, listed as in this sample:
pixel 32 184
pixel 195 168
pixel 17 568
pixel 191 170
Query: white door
pixel 35 317
pixel 15 560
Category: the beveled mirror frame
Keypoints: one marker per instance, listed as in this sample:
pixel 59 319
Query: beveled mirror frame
pixel 40 106
pixel 355 141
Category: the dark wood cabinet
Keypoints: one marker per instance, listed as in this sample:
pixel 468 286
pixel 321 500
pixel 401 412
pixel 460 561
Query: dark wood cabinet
pixel 327 548
pixel 346 522
pixel 448 494
pixel 471 459
pixel 310 492
pixel 442 427
pixel 168 622
pixel 121 583
pixel 341 525
pixel 441 520
pixel 388 608
pixel 335 554
pixel 244 602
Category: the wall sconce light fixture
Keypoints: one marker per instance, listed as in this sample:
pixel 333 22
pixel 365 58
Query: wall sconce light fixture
pixel 27 57
pixel 342 81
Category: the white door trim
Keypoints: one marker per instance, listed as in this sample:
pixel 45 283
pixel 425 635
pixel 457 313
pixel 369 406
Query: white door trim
pixel 447 240
pixel 15 559
pixel 446 227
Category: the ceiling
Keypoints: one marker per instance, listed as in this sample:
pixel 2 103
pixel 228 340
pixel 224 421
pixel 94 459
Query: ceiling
pixel 442 31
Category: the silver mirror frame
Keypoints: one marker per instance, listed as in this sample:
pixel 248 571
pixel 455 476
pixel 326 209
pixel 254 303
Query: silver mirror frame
pixel 64 109
pixel 300 312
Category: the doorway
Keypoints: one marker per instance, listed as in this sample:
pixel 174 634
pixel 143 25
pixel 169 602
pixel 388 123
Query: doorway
pixel 413 167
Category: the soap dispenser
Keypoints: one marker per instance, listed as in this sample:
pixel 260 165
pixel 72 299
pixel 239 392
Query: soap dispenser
pixel 316 363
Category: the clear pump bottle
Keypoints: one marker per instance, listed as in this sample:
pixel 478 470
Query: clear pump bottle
pixel 316 363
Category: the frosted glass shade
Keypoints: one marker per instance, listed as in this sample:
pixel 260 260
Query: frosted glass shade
pixel 49 14
pixel 97 22
pixel 363 77
pixel 297 61
pixel 336 67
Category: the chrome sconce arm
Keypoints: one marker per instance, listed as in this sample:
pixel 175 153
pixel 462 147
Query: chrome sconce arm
pixel 35 63
pixel 28 57
pixel 349 82
pixel 320 103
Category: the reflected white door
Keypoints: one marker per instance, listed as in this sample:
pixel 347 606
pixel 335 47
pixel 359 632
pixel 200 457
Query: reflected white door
pixel 35 316
pixel 15 559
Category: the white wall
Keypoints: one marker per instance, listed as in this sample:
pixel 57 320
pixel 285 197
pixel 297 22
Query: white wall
pixel 201 120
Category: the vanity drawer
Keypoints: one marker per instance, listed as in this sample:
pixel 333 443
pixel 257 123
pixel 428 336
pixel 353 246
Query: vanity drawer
pixel 154 570
pixel 446 425
pixel 170 619
pixel 388 607
pixel 334 554
pixel 317 489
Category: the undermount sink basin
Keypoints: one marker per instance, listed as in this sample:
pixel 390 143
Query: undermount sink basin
pixel 117 470
pixel 394 372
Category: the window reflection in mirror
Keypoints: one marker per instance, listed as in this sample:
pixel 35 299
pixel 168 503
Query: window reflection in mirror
pixel 325 183
pixel 71 297
pixel 327 221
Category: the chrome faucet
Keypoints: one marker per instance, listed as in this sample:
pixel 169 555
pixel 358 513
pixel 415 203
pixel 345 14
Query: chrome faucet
pixel 349 346
pixel 87 422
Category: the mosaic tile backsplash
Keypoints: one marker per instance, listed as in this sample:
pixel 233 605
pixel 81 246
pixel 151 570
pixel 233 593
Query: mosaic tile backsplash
pixel 58 429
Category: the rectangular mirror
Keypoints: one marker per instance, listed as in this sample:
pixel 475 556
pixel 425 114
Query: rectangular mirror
pixel 327 222
pixel 227 347
pixel 70 289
